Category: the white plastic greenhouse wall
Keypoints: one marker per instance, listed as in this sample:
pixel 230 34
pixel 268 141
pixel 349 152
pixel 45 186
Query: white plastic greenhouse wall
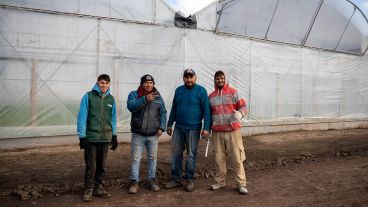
pixel 51 54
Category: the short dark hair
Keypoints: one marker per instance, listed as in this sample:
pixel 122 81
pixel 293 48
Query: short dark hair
pixel 219 73
pixel 103 77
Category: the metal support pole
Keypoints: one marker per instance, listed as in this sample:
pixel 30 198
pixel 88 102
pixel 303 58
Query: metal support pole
pixel 98 48
pixel 117 65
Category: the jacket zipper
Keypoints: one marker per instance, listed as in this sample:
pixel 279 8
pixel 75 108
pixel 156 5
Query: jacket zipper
pixel 102 116
pixel 147 117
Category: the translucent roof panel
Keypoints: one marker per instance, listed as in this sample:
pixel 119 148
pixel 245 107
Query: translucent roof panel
pixel 248 17
pixel 330 24
pixel 355 37
pixel 291 20
pixel 336 25
pixel 152 11
pixel 206 18
pixel 70 6
pixel 135 10
pixel 164 13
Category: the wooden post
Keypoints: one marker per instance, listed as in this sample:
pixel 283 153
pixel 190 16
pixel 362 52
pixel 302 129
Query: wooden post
pixel 33 92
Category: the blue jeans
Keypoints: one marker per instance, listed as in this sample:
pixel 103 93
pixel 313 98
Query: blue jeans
pixel 138 143
pixel 181 139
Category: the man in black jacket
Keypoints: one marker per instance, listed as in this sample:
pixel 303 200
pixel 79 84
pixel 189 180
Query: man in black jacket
pixel 147 124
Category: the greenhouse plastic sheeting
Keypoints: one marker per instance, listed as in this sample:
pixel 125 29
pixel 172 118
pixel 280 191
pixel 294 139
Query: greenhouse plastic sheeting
pixel 291 20
pixel 207 53
pixel 206 18
pixel 354 96
pixel 335 25
pixel 156 50
pixel 152 11
pixel 322 86
pixel 325 32
pixel 247 17
pixel 275 85
pixel 49 61
pixel 355 41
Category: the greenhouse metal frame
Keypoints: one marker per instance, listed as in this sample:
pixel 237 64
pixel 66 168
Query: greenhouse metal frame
pixel 51 54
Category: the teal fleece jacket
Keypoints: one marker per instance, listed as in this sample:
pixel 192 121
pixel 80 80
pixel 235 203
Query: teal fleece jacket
pixel 190 106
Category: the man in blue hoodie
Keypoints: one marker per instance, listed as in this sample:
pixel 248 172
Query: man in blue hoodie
pixel 147 124
pixel 190 106
pixel 96 128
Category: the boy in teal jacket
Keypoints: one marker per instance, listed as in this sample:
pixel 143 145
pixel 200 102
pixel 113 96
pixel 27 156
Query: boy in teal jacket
pixel 97 130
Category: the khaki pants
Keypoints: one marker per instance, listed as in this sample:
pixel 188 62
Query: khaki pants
pixel 229 143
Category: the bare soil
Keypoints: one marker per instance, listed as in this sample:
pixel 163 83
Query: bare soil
pixel 303 168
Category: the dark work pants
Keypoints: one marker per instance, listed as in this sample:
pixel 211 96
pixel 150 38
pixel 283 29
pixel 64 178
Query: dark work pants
pixel 96 153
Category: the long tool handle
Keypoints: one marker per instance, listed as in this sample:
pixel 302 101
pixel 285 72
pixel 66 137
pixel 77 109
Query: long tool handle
pixel 208 144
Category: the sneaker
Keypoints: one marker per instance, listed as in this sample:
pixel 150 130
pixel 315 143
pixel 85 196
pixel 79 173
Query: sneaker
pixel 153 186
pixel 100 192
pixel 242 190
pixel 190 186
pixel 133 187
pixel 87 196
pixel 172 184
pixel 217 186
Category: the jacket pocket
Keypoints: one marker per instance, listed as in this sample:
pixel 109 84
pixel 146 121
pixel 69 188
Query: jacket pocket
pixel 136 123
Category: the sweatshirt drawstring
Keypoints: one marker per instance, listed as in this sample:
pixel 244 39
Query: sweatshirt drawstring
pixel 219 92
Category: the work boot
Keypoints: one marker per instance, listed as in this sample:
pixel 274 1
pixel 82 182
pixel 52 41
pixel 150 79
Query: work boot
pixel 87 196
pixel 217 186
pixel 102 193
pixel 153 186
pixel 172 184
pixel 133 187
pixel 190 186
pixel 242 190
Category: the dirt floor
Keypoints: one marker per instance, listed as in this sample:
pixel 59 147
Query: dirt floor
pixel 304 168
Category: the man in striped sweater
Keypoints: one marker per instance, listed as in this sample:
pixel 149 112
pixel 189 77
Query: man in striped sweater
pixel 227 109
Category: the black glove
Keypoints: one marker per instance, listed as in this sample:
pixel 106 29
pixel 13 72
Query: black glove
pixel 114 142
pixel 83 143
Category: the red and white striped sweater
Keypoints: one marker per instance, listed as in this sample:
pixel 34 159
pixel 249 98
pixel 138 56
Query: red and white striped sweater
pixel 223 104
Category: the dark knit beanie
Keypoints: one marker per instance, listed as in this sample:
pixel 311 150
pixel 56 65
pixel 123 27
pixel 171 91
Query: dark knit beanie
pixel 147 77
